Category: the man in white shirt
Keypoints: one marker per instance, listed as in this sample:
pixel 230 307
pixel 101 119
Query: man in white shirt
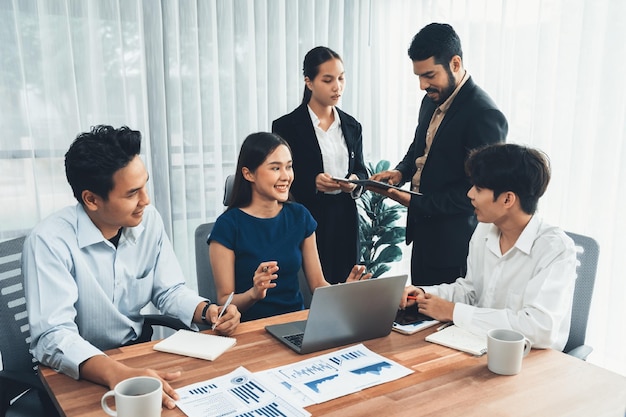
pixel 89 269
pixel 521 271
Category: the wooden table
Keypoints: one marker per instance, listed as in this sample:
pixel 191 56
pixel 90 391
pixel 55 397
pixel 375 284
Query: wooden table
pixel 446 382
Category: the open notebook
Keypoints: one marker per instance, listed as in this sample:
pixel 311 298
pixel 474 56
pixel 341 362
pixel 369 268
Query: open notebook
pixel 195 344
pixel 457 338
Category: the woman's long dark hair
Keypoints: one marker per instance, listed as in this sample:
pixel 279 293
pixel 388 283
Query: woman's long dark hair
pixel 311 66
pixel 254 150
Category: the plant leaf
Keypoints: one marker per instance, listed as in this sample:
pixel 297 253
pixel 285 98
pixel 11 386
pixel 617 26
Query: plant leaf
pixel 382 165
pixel 379 270
pixel 391 253
pixel 391 236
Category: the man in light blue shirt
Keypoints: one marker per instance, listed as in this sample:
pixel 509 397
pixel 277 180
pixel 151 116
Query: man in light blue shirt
pixel 89 269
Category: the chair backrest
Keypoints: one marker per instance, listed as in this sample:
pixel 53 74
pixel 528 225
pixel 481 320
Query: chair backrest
pixel 228 189
pixel 15 340
pixel 307 295
pixel 587 252
pixel 204 272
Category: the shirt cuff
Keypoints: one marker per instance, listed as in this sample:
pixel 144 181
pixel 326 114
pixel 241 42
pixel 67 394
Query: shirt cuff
pixel 189 308
pixel 76 351
pixel 463 314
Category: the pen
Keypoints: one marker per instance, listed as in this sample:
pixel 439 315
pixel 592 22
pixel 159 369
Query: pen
pixel 226 304
pixel 443 326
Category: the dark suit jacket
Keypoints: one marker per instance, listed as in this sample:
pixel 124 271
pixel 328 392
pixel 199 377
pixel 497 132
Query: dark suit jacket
pixel 297 129
pixel 442 220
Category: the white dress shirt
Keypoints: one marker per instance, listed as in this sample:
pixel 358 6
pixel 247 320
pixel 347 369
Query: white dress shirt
pixel 84 295
pixel 528 289
pixel 333 146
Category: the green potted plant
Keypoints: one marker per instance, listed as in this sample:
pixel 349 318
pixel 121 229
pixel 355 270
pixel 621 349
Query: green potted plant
pixel 378 233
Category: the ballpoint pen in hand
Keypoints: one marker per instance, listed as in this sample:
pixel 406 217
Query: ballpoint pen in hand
pixel 226 304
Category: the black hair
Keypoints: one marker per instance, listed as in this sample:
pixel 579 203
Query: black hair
pixel 311 66
pixel 438 40
pixel 254 150
pixel 95 156
pixel 506 167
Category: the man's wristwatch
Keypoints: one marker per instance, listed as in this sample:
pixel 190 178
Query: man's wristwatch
pixel 204 311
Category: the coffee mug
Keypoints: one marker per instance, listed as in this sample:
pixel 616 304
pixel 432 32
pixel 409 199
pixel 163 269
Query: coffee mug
pixel 505 350
pixel 138 396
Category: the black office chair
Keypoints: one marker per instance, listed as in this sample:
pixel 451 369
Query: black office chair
pixel 19 370
pixel 587 252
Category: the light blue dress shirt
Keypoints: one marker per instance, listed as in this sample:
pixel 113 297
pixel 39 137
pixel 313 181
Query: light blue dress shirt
pixel 84 295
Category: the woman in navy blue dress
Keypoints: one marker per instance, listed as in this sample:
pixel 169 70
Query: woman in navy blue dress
pixel 259 244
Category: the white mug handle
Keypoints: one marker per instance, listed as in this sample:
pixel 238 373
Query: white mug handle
pixel 527 346
pixel 104 404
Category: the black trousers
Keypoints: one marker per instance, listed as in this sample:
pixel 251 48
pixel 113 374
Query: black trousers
pixel 422 274
pixel 337 235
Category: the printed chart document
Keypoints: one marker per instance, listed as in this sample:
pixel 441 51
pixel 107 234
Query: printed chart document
pixel 239 393
pixel 286 390
pixel 196 344
pixel 374 184
pixel 457 338
pixel 333 375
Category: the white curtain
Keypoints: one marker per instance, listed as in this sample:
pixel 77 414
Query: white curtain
pixel 196 77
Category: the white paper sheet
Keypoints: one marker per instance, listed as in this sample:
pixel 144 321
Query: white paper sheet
pixel 238 393
pixel 287 389
pixel 332 375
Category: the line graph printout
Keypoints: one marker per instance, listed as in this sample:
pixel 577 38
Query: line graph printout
pixel 333 375
pixel 238 393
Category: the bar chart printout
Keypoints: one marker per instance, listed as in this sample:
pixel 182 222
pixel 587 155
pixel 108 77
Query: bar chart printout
pixel 238 393
pixel 286 390
pixel 333 375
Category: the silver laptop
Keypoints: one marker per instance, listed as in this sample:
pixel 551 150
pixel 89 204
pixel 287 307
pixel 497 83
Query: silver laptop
pixel 344 313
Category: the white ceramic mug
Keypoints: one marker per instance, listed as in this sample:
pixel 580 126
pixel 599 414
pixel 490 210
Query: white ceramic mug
pixel 505 350
pixel 138 396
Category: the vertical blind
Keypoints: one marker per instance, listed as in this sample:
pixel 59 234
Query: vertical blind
pixel 196 77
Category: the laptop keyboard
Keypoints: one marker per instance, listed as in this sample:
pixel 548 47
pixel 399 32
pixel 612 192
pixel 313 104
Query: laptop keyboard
pixel 296 339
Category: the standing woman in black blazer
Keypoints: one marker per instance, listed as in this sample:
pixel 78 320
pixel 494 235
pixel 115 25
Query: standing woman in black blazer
pixel 326 142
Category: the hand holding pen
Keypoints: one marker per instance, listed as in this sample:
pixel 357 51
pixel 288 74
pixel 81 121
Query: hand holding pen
pixel 226 304
pixel 263 279
pixel 430 304
pixel 410 296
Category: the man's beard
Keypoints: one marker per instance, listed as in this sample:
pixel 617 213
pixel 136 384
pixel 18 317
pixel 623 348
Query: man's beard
pixel 446 92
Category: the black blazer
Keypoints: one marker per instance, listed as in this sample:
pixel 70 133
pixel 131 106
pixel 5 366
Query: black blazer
pixel 297 129
pixel 443 217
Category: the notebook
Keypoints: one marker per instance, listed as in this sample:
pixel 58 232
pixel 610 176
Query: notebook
pixel 195 344
pixel 457 338
pixel 344 313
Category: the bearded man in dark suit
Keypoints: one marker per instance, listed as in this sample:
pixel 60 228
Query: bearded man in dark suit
pixel 455 117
